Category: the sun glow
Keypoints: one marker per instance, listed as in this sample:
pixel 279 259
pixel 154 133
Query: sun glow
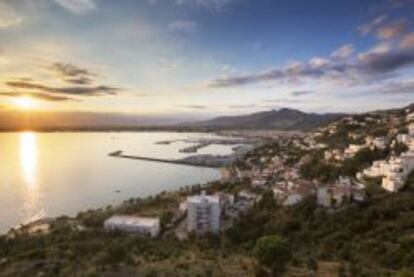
pixel 28 157
pixel 25 102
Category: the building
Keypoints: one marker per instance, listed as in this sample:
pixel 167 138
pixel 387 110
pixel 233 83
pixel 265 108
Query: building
pixel 203 213
pixel 380 142
pixel 395 176
pixel 335 194
pixel 378 169
pixel 403 138
pixel 132 224
pixel 411 129
pixel 352 150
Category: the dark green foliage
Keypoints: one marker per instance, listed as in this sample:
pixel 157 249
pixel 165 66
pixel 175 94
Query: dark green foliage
pixel 272 251
pixel 363 158
pixel 318 169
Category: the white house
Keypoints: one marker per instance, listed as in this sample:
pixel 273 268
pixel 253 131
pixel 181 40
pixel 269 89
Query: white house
pixel 133 224
pixel 411 129
pixel 203 213
pixel 395 176
pixel 378 169
pixel 352 150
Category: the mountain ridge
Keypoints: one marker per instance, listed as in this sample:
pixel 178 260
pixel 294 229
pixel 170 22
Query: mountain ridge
pixel 283 119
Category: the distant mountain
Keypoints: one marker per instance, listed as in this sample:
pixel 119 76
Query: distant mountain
pixel 283 119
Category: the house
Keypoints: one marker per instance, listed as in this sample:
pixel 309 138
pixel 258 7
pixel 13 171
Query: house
pixel 403 138
pixel 133 224
pixel 378 169
pixel 337 193
pixel 411 129
pixel 290 193
pixel 379 142
pixel 203 213
pixel 395 176
pixel 352 150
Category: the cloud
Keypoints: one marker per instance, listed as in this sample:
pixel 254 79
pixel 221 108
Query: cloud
pixel 285 101
pixel 70 70
pixel 248 106
pixel 72 74
pixel 344 51
pixel 183 26
pixel 385 62
pixel 80 81
pixel 212 5
pixel 216 5
pixel 37 95
pixel 365 67
pixel 8 15
pixel 407 41
pixel 301 92
pixel 399 3
pixel 400 87
pixel 372 25
pixel 195 107
pixel 392 29
pixel 78 6
pixel 75 90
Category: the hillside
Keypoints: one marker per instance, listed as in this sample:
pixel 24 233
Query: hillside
pixel 283 119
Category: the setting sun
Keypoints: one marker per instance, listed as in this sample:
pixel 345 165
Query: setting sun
pixel 25 102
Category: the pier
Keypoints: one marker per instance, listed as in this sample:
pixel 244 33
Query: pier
pixel 190 162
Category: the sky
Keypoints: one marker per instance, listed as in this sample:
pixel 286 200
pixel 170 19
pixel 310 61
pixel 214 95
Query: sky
pixel 202 58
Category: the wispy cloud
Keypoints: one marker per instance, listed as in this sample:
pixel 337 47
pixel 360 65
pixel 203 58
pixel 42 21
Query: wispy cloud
pixel 372 25
pixel 363 68
pixel 71 73
pixel 75 90
pixel 407 41
pixel 396 87
pixel 213 5
pixel 241 106
pixel 8 15
pixel 344 51
pixel 301 92
pixel 38 95
pixel 194 107
pixel 217 5
pixel 392 29
pixel 184 26
pixel 78 6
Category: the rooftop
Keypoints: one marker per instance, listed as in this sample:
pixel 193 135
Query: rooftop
pixel 133 220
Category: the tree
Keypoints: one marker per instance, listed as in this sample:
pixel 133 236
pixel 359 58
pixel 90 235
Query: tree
pixel 273 252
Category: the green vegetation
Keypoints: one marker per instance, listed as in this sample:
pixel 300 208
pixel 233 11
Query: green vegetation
pixel 273 252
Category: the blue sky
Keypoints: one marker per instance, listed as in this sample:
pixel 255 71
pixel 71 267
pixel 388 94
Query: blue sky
pixel 206 57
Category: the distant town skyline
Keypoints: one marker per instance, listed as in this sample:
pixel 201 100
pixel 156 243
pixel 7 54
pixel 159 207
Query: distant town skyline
pixel 201 58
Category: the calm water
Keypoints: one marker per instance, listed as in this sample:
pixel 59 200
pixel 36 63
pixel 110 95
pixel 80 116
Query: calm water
pixel 51 174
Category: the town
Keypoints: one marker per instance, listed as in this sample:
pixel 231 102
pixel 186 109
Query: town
pixel 355 160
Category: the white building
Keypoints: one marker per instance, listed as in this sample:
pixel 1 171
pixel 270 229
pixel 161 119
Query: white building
pixel 352 150
pixel 203 213
pixel 403 138
pixel 395 176
pixel 133 224
pixel 378 169
pixel 335 194
pixel 380 142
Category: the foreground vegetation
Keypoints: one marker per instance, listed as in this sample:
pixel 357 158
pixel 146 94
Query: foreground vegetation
pixel 371 239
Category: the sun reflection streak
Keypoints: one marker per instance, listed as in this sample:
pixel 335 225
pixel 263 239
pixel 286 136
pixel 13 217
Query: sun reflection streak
pixel 28 157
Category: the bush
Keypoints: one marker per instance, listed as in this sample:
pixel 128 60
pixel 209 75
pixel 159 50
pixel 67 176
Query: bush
pixel 273 252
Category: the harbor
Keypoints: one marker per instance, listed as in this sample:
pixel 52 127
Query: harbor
pixel 209 161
